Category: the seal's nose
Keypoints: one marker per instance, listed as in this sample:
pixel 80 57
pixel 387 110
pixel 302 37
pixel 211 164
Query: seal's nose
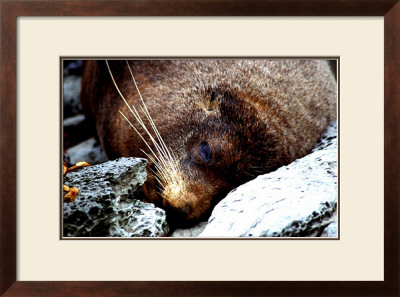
pixel 183 211
pixel 179 217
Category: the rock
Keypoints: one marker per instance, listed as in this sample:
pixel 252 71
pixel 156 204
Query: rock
pixel 72 67
pixel 75 130
pixel 329 137
pixel 71 96
pixel 75 121
pixel 105 205
pixel 331 230
pixel 296 200
pixel 190 232
pixel 89 151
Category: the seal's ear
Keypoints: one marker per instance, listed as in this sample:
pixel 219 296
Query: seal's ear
pixel 212 102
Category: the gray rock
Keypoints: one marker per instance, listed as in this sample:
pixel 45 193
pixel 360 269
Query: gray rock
pixel 296 200
pixel 105 205
pixel 190 232
pixel 331 229
pixel 71 95
pixel 72 67
pixel 75 130
pixel 74 121
pixel 89 151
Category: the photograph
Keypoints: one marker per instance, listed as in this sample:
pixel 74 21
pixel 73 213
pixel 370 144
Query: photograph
pixel 200 148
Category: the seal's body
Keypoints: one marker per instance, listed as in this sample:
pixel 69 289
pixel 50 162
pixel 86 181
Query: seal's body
pixel 224 121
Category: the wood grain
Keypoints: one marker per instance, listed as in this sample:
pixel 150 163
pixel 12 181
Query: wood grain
pixel 8 147
pixel 8 150
pixel 392 146
pixel 203 8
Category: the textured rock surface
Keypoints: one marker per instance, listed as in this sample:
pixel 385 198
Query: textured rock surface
pixel 296 200
pixel 72 67
pixel 328 138
pixel 88 150
pixel 332 230
pixel 105 205
pixel 190 232
pixel 71 95
pixel 74 121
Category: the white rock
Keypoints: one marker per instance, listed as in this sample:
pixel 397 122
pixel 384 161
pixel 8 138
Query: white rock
pixel 190 232
pixel 295 200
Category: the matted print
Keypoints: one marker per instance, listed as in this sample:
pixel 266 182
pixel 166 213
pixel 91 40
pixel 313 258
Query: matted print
pixel 200 148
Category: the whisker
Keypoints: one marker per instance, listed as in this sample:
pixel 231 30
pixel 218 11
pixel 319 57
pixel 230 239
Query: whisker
pixel 147 114
pixel 137 117
pixel 138 133
pixel 164 174
pixel 165 161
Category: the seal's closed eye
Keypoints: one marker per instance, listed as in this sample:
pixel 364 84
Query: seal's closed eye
pixel 212 96
pixel 205 152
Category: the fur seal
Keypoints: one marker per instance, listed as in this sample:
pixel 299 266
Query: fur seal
pixel 221 122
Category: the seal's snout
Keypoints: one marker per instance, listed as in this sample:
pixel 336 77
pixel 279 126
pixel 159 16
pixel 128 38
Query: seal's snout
pixel 190 202
pixel 180 217
pixel 187 206
pixel 184 211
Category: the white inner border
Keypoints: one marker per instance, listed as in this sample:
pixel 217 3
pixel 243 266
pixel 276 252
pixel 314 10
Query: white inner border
pixel 358 255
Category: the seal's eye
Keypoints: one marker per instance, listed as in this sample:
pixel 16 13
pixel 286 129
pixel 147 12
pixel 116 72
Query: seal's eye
pixel 205 152
pixel 212 96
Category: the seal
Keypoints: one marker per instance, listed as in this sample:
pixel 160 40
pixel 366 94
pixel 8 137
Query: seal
pixel 207 126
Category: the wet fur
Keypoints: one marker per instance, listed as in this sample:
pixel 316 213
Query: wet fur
pixel 255 115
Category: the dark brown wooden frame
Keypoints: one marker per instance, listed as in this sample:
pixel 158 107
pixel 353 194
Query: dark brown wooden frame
pixel 10 10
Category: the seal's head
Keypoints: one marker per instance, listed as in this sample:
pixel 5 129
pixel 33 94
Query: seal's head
pixel 216 147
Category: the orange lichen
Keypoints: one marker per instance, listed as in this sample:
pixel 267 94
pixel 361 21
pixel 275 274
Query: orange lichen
pixel 77 166
pixel 71 195
pixel 65 167
pixel 72 192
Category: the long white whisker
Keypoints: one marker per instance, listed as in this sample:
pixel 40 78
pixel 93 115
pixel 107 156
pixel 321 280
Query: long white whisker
pixel 149 147
pixel 165 170
pixel 163 148
pixel 134 112
pixel 163 174
pixel 157 178
pixel 139 120
pixel 147 114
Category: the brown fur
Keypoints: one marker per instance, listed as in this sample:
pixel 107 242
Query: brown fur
pixel 266 113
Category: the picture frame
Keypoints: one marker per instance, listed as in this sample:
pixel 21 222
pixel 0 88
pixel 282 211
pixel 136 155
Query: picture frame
pixel 10 10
